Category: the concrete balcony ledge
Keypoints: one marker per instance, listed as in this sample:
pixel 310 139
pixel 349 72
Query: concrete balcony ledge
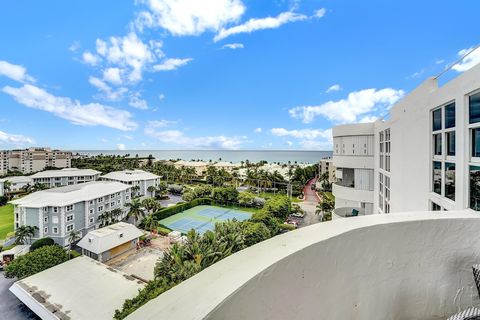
pixel 346 212
pixel 396 266
pixel 352 193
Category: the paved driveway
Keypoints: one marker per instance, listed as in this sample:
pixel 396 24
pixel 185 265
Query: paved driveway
pixel 309 204
pixel 173 199
pixel 10 307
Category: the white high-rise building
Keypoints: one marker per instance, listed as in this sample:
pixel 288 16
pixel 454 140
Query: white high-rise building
pixel 426 156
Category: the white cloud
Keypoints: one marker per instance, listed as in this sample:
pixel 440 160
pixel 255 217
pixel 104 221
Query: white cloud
pixel 108 92
pixel 138 103
pixel 14 72
pixel 320 13
pixel 347 110
pixel 121 146
pixel 233 46
pixel 161 96
pixel 177 137
pixel 104 140
pixel 90 58
pixel 469 61
pixel 335 87
pixel 91 114
pixel 367 119
pixel 14 139
pixel 439 61
pixel 129 54
pixel 260 24
pixel 189 17
pixel 75 46
pixel 112 75
pixel 161 123
pixel 302 133
pixel 258 130
pixel 171 64
pixel 128 137
pixel 289 143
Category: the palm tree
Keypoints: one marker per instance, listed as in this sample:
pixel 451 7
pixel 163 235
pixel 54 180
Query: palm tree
pixel 20 235
pixel 73 237
pixel 151 223
pixel 7 187
pixel 115 213
pixel 151 205
pixel 152 190
pixel 135 190
pixel 135 210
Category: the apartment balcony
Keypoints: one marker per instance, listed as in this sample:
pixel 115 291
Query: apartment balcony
pixel 408 266
pixel 346 212
pixel 342 191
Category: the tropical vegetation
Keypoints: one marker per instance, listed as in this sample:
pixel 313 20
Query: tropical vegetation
pixel 35 261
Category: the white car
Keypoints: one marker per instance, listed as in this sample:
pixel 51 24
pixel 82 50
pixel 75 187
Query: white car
pixel 298 214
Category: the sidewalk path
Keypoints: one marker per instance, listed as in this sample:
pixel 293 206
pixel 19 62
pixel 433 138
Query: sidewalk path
pixel 309 204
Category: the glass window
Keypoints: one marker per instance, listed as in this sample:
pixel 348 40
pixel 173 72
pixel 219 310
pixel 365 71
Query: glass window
pixel 436 207
pixel 475 188
pixel 450 116
pixel 437 177
pixel 450 180
pixel 476 142
pixel 437 120
pixel 437 144
pixel 450 137
pixel 474 104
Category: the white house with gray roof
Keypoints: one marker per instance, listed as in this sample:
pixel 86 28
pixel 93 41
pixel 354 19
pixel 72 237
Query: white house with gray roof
pixel 65 177
pixel 108 242
pixel 59 211
pixel 140 178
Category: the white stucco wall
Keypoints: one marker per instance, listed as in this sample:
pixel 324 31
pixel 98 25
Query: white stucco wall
pixel 398 266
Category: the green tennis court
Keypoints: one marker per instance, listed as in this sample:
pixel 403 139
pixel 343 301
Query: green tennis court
pixel 202 218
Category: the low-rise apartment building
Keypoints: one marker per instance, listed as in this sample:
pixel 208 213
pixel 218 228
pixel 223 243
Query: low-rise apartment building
pixel 135 178
pixel 200 167
pixel 16 184
pixel 33 160
pixel 426 156
pixel 59 211
pixel 65 177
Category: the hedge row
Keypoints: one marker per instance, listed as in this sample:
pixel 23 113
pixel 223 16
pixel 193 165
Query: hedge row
pixel 170 211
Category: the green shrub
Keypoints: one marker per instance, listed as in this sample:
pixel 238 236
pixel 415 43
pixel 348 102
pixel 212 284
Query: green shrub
pixel 42 243
pixel 36 261
pixel 278 206
pixel 3 200
pixel 267 219
pixel 286 227
pixel 255 232
pixel 163 230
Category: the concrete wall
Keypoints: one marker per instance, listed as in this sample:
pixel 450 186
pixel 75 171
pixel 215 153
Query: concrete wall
pixel 397 266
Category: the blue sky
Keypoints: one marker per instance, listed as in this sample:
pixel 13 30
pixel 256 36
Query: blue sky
pixel 215 74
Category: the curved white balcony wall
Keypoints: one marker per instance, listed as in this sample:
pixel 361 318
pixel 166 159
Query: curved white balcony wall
pixel 343 212
pixel 397 266
pixel 352 194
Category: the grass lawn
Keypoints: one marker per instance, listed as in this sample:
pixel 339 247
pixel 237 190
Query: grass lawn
pixel 6 220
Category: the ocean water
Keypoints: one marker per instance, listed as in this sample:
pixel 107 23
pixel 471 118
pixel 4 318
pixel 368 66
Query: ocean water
pixel 223 155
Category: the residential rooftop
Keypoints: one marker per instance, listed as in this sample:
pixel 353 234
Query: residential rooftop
pixel 17 179
pixel 130 175
pixel 66 172
pixel 80 288
pixel 62 196
pixel 106 238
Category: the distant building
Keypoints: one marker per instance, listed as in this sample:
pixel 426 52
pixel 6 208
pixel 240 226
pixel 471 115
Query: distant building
pixel 326 166
pixel 59 211
pixel 33 160
pixel 227 166
pixel 65 177
pixel 16 183
pixel 132 178
pixel 200 167
pixel 108 242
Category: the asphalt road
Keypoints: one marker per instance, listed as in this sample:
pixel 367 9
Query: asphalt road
pixel 309 204
pixel 10 307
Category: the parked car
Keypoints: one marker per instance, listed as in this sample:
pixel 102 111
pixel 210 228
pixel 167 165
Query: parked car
pixel 298 215
pixel 292 223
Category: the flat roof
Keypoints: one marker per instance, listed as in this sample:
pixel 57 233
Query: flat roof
pixel 106 238
pixel 66 172
pixel 17 179
pixel 62 196
pixel 81 288
pixel 130 175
